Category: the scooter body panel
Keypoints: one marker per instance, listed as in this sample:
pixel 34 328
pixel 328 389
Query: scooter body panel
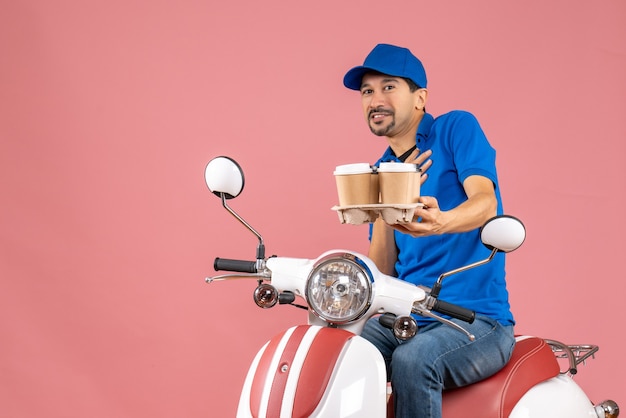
pixel 311 371
pixel 557 397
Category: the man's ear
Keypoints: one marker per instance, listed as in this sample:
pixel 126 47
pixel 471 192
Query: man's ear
pixel 421 96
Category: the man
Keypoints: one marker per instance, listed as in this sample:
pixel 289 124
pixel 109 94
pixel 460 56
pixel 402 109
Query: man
pixel 460 193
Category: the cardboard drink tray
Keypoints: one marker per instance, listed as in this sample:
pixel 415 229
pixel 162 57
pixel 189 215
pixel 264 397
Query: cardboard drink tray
pixel 392 214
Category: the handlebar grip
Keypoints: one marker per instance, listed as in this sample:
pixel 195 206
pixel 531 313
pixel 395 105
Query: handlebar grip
pixel 454 311
pixel 241 266
pixel 387 320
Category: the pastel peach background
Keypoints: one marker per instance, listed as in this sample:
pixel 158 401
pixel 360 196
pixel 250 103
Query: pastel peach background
pixel 109 111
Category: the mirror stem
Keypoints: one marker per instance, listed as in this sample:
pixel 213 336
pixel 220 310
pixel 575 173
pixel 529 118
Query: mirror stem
pixel 437 286
pixel 260 251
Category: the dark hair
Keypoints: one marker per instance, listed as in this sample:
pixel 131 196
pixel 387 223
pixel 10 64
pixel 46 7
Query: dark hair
pixel 412 86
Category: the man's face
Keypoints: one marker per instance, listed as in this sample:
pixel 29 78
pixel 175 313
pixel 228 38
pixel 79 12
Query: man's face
pixel 389 106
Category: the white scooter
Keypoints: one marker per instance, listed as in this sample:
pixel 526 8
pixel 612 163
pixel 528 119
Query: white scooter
pixel 325 369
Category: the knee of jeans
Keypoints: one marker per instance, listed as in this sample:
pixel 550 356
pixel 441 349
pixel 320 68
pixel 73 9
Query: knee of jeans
pixel 411 362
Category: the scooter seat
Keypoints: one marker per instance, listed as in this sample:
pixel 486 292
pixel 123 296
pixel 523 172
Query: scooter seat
pixel 532 362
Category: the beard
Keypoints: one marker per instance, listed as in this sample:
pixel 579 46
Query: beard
pixel 382 131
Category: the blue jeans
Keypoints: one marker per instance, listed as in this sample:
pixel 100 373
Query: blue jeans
pixel 439 357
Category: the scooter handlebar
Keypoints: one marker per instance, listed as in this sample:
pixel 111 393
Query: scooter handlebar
pixel 240 266
pixel 454 311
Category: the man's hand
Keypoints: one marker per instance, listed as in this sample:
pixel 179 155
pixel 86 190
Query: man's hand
pixel 427 219
pixel 480 206
pixel 422 160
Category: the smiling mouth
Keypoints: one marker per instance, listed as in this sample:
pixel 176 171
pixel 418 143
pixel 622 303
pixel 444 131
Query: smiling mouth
pixel 379 118
pixel 377 115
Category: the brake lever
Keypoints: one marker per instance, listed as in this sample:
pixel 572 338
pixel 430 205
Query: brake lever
pixel 236 276
pixel 420 309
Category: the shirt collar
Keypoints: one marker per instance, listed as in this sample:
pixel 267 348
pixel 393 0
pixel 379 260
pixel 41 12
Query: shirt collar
pixel 423 129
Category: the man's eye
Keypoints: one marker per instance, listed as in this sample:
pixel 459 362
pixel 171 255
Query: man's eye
pixel 389 87
pixel 366 91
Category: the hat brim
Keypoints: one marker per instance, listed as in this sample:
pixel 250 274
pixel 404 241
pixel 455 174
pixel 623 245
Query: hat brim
pixel 354 77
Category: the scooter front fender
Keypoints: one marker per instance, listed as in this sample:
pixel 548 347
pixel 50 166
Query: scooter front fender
pixel 312 371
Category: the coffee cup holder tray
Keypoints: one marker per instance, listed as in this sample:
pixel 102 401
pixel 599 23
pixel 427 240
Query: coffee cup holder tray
pixel 391 214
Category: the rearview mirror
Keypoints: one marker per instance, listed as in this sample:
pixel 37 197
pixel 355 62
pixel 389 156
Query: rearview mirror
pixel 504 233
pixel 223 176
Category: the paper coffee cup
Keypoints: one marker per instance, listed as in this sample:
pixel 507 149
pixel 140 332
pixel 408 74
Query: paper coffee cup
pixel 399 183
pixel 357 184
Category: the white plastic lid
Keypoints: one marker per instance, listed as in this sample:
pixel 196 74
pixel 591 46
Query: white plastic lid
pixel 397 168
pixel 357 168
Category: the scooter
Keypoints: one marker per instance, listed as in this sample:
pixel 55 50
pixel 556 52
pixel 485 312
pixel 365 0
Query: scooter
pixel 325 369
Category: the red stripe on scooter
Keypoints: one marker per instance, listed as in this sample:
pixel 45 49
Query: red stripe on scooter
pixel 280 377
pixel 318 367
pixel 260 375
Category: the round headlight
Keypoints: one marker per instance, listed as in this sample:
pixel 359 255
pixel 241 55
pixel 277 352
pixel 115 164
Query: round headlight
pixel 339 288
